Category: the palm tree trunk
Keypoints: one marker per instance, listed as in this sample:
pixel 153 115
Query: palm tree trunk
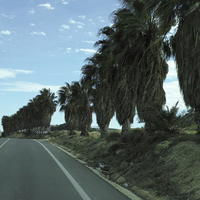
pixel 197 119
pixel 126 127
pixel 104 130
pixel 84 133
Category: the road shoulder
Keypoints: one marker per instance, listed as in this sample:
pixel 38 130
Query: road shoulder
pixel 124 191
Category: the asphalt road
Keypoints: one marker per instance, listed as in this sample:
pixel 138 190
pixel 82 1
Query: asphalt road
pixel 37 170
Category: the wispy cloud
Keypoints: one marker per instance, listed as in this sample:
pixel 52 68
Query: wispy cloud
pixel 68 50
pixel 7 16
pixel 64 27
pixel 82 17
pixel 32 11
pixel 46 6
pixel 32 24
pixel 88 51
pixel 64 2
pixel 90 33
pixel 35 33
pixel 5 32
pixel 101 19
pixel 72 21
pixel 78 24
pixel 89 41
pixel 23 86
pixel 12 73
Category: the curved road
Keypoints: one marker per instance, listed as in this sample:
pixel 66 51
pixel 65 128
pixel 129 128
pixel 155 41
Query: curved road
pixel 37 170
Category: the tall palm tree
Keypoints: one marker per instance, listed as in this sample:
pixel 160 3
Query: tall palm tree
pixel 185 14
pixel 95 79
pixel 47 103
pixel 124 105
pixel 64 96
pixel 144 58
pixel 81 105
pixel 75 102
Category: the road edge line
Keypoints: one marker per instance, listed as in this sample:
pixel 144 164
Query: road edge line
pixel 4 143
pixel 74 183
pixel 121 189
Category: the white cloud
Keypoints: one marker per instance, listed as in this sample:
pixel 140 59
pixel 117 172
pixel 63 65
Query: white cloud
pixel 32 11
pixel 23 86
pixel 5 32
pixel 65 27
pixel 47 6
pixel 86 50
pixel 71 21
pixel 68 50
pixel 64 2
pixel 12 73
pixel 90 34
pixel 79 26
pixel 7 16
pixel 82 17
pixel 90 20
pixel 38 33
pixel 32 24
pixel 101 19
pixel 89 41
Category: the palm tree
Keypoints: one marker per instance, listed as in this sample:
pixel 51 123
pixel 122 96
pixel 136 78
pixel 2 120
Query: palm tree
pixel 143 58
pixel 47 104
pixel 75 102
pixel 64 96
pixel 81 105
pixel 185 14
pixel 124 104
pixel 95 79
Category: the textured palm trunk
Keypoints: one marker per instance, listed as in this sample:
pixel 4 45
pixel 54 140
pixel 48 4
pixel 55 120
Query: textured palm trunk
pixel 104 130
pixel 197 119
pixel 84 132
pixel 126 127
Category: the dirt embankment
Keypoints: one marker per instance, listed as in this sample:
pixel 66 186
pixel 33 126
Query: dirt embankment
pixel 152 166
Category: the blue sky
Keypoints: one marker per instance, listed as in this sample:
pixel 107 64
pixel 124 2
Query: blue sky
pixel 43 43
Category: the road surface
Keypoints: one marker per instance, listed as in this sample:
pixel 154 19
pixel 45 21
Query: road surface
pixel 37 170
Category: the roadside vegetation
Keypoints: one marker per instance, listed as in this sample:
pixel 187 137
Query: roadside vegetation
pixel 125 78
pixel 154 166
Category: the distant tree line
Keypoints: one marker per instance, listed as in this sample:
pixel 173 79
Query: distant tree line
pixel 35 117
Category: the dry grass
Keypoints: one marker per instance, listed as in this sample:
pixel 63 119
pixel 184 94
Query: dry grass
pixel 155 166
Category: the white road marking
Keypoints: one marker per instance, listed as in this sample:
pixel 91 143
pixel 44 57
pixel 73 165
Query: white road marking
pixel 75 184
pixel 4 143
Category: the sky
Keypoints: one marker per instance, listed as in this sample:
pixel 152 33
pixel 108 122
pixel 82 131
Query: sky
pixel 44 43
